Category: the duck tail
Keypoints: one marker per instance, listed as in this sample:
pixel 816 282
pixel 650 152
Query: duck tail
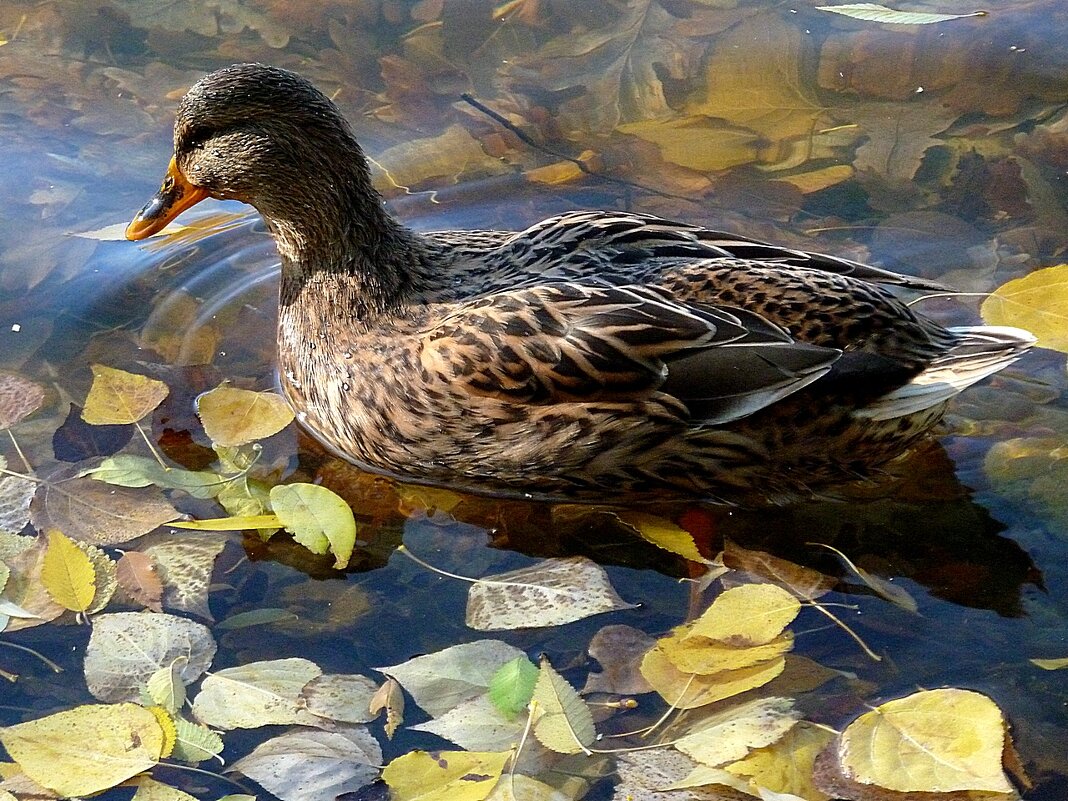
pixel 977 352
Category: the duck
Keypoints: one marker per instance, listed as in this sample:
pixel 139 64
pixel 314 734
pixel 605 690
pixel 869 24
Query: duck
pixel 594 355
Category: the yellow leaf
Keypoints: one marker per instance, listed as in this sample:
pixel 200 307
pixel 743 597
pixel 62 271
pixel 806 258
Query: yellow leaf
pixel 754 80
pixel 166 725
pixel 690 690
pixel 1051 664
pixel 67 573
pixel 697 143
pixel 752 614
pixel 233 417
pixel 148 789
pixel 239 523
pixel 786 765
pixel 1037 302
pixel 444 775
pixel 815 180
pixel 663 534
pixel 731 734
pixel 563 722
pixel 700 655
pixel 87 749
pixel 119 398
pixel 933 741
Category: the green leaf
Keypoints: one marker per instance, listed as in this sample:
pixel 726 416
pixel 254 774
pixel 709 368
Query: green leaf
pixel 231 523
pixel 563 722
pixel 120 398
pixel 512 686
pixel 195 743
pixel 142 471
pixel 234 416
pixel 873 12
pixel 318 519
pixel 67 573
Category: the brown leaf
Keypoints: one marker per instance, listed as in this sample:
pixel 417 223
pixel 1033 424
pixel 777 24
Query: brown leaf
pixel 802 582
pixel 94 512
pixel 137 575
pixel 185 564
pixel 620 650
pixel 24 588
pixel 389 697
pixel 19 398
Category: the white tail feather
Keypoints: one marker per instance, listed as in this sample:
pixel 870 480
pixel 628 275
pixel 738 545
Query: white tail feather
pixel 980 351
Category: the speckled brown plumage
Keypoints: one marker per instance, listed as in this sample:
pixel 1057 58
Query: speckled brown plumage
pixel 593 353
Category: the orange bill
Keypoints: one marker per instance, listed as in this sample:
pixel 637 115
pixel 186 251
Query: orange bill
pixel 174 196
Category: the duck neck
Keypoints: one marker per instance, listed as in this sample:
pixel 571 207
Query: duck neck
pixel 351 260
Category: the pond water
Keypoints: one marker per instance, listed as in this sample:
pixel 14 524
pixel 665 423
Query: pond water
pixel 938 149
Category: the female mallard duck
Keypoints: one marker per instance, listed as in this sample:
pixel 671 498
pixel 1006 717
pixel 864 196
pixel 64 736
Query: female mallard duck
pixel 594 352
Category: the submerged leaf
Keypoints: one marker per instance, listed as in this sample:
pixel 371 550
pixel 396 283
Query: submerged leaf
pixel 118 397
pixel 19 398
pixel 87 749
pixel 549 593
pixel 1037 302
pixel 233 417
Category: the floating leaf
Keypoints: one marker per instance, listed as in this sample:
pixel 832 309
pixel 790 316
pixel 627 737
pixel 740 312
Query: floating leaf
pixel 752 614
pixel 304 765
pixel 148 789
pixel 803 583
pixel 318 518
pixel 645 775
pixel 444 775
pixel 731 734
pixel 127 648
pixel 104 576
pixel 67 573
pixel 257 694
pixel 19 398
pixel 445 679
pixel 389 697
pixel 166 688
pixel 873 12
pixel 933 741
pixel 87 749
pixel 704 656
pixel 259 522
pixel 1037 303
pixel 549 593
pixel 785 766
pixel 663 534
pixel 194 743
pixel 511 686
pixel 127 470
pixel 117 397
pixel 136 573
pixel 476 725
pixel 689 690
pixel 26 591
pixel 342 697
pixel 233 417
pixel 562 721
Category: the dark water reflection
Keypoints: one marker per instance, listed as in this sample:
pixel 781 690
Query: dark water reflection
pixel 959 174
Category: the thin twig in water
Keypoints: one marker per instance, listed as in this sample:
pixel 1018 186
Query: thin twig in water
pixel 527 140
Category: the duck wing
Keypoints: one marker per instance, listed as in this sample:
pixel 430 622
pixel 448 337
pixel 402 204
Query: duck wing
pixel 567 342
pixel 623 238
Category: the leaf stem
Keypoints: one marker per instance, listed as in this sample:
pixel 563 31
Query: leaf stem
pixel 18 450
pixel 55 668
